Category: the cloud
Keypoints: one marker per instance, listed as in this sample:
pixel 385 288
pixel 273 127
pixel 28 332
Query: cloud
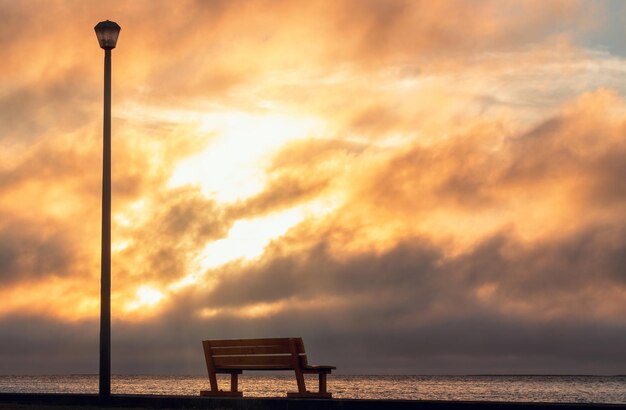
pixel 208 55
pixel 532 287
pixel 415 281
pixel 410 309
pixel 503 307
pixel 377 31
pixel 24 335
pixel 300 171
pixel 163 247
pixel 31 252
pixel 27 112
pixel 459 197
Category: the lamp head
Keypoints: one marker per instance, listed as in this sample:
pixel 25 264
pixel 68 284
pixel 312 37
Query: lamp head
pixel 107 32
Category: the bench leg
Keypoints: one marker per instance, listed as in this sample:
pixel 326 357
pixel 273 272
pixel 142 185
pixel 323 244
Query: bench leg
pixel 300 380
pixel 322 382
pixel 213 381
pixel 321 394
pixel 234 382
pixel 234 387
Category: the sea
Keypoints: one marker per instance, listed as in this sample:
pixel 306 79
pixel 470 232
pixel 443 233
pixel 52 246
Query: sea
pixel 564 389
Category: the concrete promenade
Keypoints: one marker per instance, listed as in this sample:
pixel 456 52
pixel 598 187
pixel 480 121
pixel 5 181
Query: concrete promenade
pixel 90 401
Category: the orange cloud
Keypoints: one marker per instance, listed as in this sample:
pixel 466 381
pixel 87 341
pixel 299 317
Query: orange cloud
pixel 408 166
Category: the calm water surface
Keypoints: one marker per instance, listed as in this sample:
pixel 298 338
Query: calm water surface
pixel 571 389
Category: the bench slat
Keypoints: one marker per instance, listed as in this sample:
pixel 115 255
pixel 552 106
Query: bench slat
pixel 324 367
pixel 256 361
pixel 258 342
pixel 250 350
pixel 250 342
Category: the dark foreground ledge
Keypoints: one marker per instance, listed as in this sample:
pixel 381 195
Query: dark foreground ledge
pixel 91 401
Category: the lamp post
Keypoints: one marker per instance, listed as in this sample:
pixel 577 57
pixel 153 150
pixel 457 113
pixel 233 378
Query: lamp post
pixel 107 33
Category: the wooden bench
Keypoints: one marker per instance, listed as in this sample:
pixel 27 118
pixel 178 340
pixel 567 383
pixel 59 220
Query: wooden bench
pixel 236 355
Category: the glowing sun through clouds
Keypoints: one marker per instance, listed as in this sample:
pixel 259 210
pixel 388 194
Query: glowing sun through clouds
pixel 232 168
pixel 232 165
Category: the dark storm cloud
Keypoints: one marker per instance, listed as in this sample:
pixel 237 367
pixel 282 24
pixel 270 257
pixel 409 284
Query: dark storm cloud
pixel 487 343
pixel 39 345
pixel 356 341
pixel 414 278
pixel 30 251
pixel 415 310
pixel 165 244
pixel 315 273
pixel 281 191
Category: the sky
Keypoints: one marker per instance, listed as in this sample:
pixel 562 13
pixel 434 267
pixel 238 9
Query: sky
pixel 414 187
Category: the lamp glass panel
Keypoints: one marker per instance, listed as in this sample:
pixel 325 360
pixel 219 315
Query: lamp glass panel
pixel 107 33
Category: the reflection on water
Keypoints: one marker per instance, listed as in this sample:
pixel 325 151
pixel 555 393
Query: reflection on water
pixel 581 389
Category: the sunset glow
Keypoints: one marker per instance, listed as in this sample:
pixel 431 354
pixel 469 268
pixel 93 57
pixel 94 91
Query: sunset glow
pixel 254 137
pixel 444 178
pixel 146 297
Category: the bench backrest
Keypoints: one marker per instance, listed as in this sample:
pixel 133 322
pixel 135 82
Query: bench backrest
pixel 255 354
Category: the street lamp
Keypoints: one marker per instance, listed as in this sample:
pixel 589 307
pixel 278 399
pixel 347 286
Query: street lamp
pixel 107 32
